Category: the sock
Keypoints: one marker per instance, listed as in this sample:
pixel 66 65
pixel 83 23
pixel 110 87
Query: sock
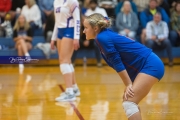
pixel 27 54
pixel 21 68
pixel 21 65
pixel 70 91
pixel 75 86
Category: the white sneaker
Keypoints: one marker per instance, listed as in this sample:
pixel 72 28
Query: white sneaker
pixel 64 97
pixel 77 92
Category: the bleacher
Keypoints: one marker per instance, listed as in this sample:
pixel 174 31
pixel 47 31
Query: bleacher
pixel 9 50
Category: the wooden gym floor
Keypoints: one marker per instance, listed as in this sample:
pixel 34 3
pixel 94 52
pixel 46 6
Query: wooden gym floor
pixel 30 96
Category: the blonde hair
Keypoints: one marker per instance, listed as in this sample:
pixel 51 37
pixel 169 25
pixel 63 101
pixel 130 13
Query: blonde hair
pixel 126 2
pixel 99 20
pixel 17 25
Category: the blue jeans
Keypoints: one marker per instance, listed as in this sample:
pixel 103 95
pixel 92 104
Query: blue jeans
pixel 165 44
pixel 174 37
pixel 33 26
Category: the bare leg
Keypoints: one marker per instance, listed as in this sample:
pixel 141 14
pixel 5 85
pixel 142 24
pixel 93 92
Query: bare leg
pixel 19 49
pixel 73 78
pixel 141 86
pixel 65 49
pixel 23 46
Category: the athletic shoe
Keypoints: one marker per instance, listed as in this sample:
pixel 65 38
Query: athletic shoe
pixel 77 92
pixel 65 97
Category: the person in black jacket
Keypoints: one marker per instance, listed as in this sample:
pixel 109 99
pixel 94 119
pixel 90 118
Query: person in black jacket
pixel 165 5
pixel 16 9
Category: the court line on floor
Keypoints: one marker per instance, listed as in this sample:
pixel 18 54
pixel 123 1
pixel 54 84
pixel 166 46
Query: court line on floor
pixel 72 105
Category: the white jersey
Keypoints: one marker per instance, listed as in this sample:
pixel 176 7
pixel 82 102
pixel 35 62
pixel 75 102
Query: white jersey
pixel 67 14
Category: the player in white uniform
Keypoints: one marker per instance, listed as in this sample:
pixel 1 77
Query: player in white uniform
pixel 67 33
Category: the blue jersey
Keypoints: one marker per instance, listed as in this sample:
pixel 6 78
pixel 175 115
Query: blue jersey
pixel 122 53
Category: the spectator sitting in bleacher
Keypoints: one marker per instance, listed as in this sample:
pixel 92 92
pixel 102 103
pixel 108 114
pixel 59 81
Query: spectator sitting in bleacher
pixel 175 24
pixel 22 37
pixel 109 6
pixel 32 14
pixel 7 27
pixel 147 15
pixel 5 6
pixel 93 8
pixel 157 36
pixel 127 21
pixel 46 7
pixel 49 27
pixel 120 4
pixel 16 9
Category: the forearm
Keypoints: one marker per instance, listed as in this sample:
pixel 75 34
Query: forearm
pixel 125 77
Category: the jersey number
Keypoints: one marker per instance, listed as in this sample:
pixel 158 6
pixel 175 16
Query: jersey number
pixel 78 25
pixel 58 10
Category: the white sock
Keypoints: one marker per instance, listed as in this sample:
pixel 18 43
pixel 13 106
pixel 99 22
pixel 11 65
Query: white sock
pixel 70 90
pixel 75 86
pixel 21 66
pixel 27 54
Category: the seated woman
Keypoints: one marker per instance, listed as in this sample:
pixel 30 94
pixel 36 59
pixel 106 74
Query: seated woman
pixel 32 14
pixel 126 21
pixel 22 37
pixel 175 24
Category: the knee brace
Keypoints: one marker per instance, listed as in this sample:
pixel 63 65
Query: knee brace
pixel 72 67
pixel 65 68
pixel 130 108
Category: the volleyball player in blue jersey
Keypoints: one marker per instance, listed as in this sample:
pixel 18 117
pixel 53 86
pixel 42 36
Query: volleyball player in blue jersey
pixel 138 67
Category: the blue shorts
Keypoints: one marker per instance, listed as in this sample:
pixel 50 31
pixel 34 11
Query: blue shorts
pixel 66 32
pixel 153 66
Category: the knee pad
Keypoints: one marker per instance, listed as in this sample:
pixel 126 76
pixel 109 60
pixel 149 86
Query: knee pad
pixel 72 67
pixel 65 68
pixel 130 108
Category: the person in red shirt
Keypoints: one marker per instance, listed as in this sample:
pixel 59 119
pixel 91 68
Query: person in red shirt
pixel 5 6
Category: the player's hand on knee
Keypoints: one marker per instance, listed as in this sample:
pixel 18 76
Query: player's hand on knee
pixel 128 92
pixel 52 44
pixel 76 44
